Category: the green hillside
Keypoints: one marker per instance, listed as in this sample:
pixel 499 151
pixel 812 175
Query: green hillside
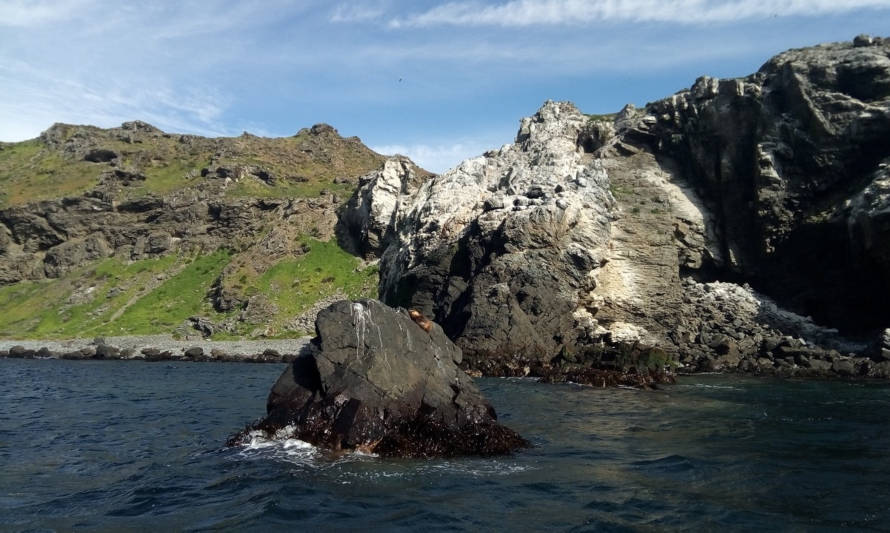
pixel 132 230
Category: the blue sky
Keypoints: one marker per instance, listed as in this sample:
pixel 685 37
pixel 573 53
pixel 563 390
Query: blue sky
pixel 437 81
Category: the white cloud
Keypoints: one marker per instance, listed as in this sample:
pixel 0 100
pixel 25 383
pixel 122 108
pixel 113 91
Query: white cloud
pixel 440 157
pixel 102 102
pixel 356 13
pixel 521 13
pixel 32 13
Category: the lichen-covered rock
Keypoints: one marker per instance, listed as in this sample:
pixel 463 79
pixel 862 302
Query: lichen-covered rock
pixel 373 380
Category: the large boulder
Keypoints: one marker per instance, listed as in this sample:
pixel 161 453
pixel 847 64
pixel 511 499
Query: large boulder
pixel 375 380
pixel 75 253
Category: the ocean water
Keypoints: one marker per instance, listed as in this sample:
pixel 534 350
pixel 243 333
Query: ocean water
pixel 129 446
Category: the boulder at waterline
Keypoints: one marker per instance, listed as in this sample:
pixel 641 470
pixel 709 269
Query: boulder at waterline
pixel 374 380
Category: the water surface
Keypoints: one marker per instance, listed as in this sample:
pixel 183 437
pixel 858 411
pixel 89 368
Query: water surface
pixel 117 445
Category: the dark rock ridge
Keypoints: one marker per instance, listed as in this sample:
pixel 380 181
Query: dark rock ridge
pixel 740 225
pixel 374 380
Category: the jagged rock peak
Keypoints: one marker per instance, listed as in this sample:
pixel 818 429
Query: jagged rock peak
pixel 138 125
pixel 555 126
pixel 589 234
pixel 370 214
pixel 320 129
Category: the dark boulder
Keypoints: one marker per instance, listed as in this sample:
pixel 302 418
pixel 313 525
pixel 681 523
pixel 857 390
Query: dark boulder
pixel 373 379
pixel 88 352
pixel 105 351
pixel 21 352
pixel 100 155
pixel 45 353
pixel 195 352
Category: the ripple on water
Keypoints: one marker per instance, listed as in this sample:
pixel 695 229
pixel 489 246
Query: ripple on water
pixel 129 446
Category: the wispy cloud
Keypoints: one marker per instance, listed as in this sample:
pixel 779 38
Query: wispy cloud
pixel 102 102
pixel 32 13
pixel 522 13
pixel 358 12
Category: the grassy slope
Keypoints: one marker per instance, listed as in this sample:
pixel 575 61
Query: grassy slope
pixel 303 165
pixel 29 171
pixel 294 285
pixel 114 298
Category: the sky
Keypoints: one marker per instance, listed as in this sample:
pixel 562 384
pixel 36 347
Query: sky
pixel 436 81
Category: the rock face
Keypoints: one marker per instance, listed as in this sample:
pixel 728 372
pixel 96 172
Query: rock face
pixel 374 380
pixel 793 162
pixel 501 249
pixel 739 225
pixel 158 193
pixel 368 217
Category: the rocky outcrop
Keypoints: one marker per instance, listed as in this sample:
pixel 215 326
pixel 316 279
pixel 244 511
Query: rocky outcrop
pixel 501 250
pixel 738 225
pixel 793 162
pixel 368 217
pixel 375 381
pixel 157 348
pixel 61 235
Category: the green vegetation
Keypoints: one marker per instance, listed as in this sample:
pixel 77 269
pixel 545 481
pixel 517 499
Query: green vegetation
pixel 254 188
pixel 618 191
pixel 181 296
pixel 304 165
pixel 111 298
pixel 119 297
pixel 295 284
pixel 29 172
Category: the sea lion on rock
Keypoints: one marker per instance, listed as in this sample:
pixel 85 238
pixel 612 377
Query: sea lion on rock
pixel 370 383
pixel 422 321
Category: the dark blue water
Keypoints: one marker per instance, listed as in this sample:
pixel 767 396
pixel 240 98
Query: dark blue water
pixel 137 446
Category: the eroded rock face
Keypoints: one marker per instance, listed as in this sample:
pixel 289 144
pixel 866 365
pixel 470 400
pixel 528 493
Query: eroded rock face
pixel 793 162
pixel 381 196
pixel 738 225
pixel 374 380
pixel 502 249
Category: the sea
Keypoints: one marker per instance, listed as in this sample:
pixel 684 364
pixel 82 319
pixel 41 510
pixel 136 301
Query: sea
pixel 135 446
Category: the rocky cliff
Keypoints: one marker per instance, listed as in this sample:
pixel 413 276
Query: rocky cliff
pixel 133 230
pixel 740 224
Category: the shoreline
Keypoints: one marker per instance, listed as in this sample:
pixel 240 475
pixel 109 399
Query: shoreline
pixel 164 348
pixel 156 348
